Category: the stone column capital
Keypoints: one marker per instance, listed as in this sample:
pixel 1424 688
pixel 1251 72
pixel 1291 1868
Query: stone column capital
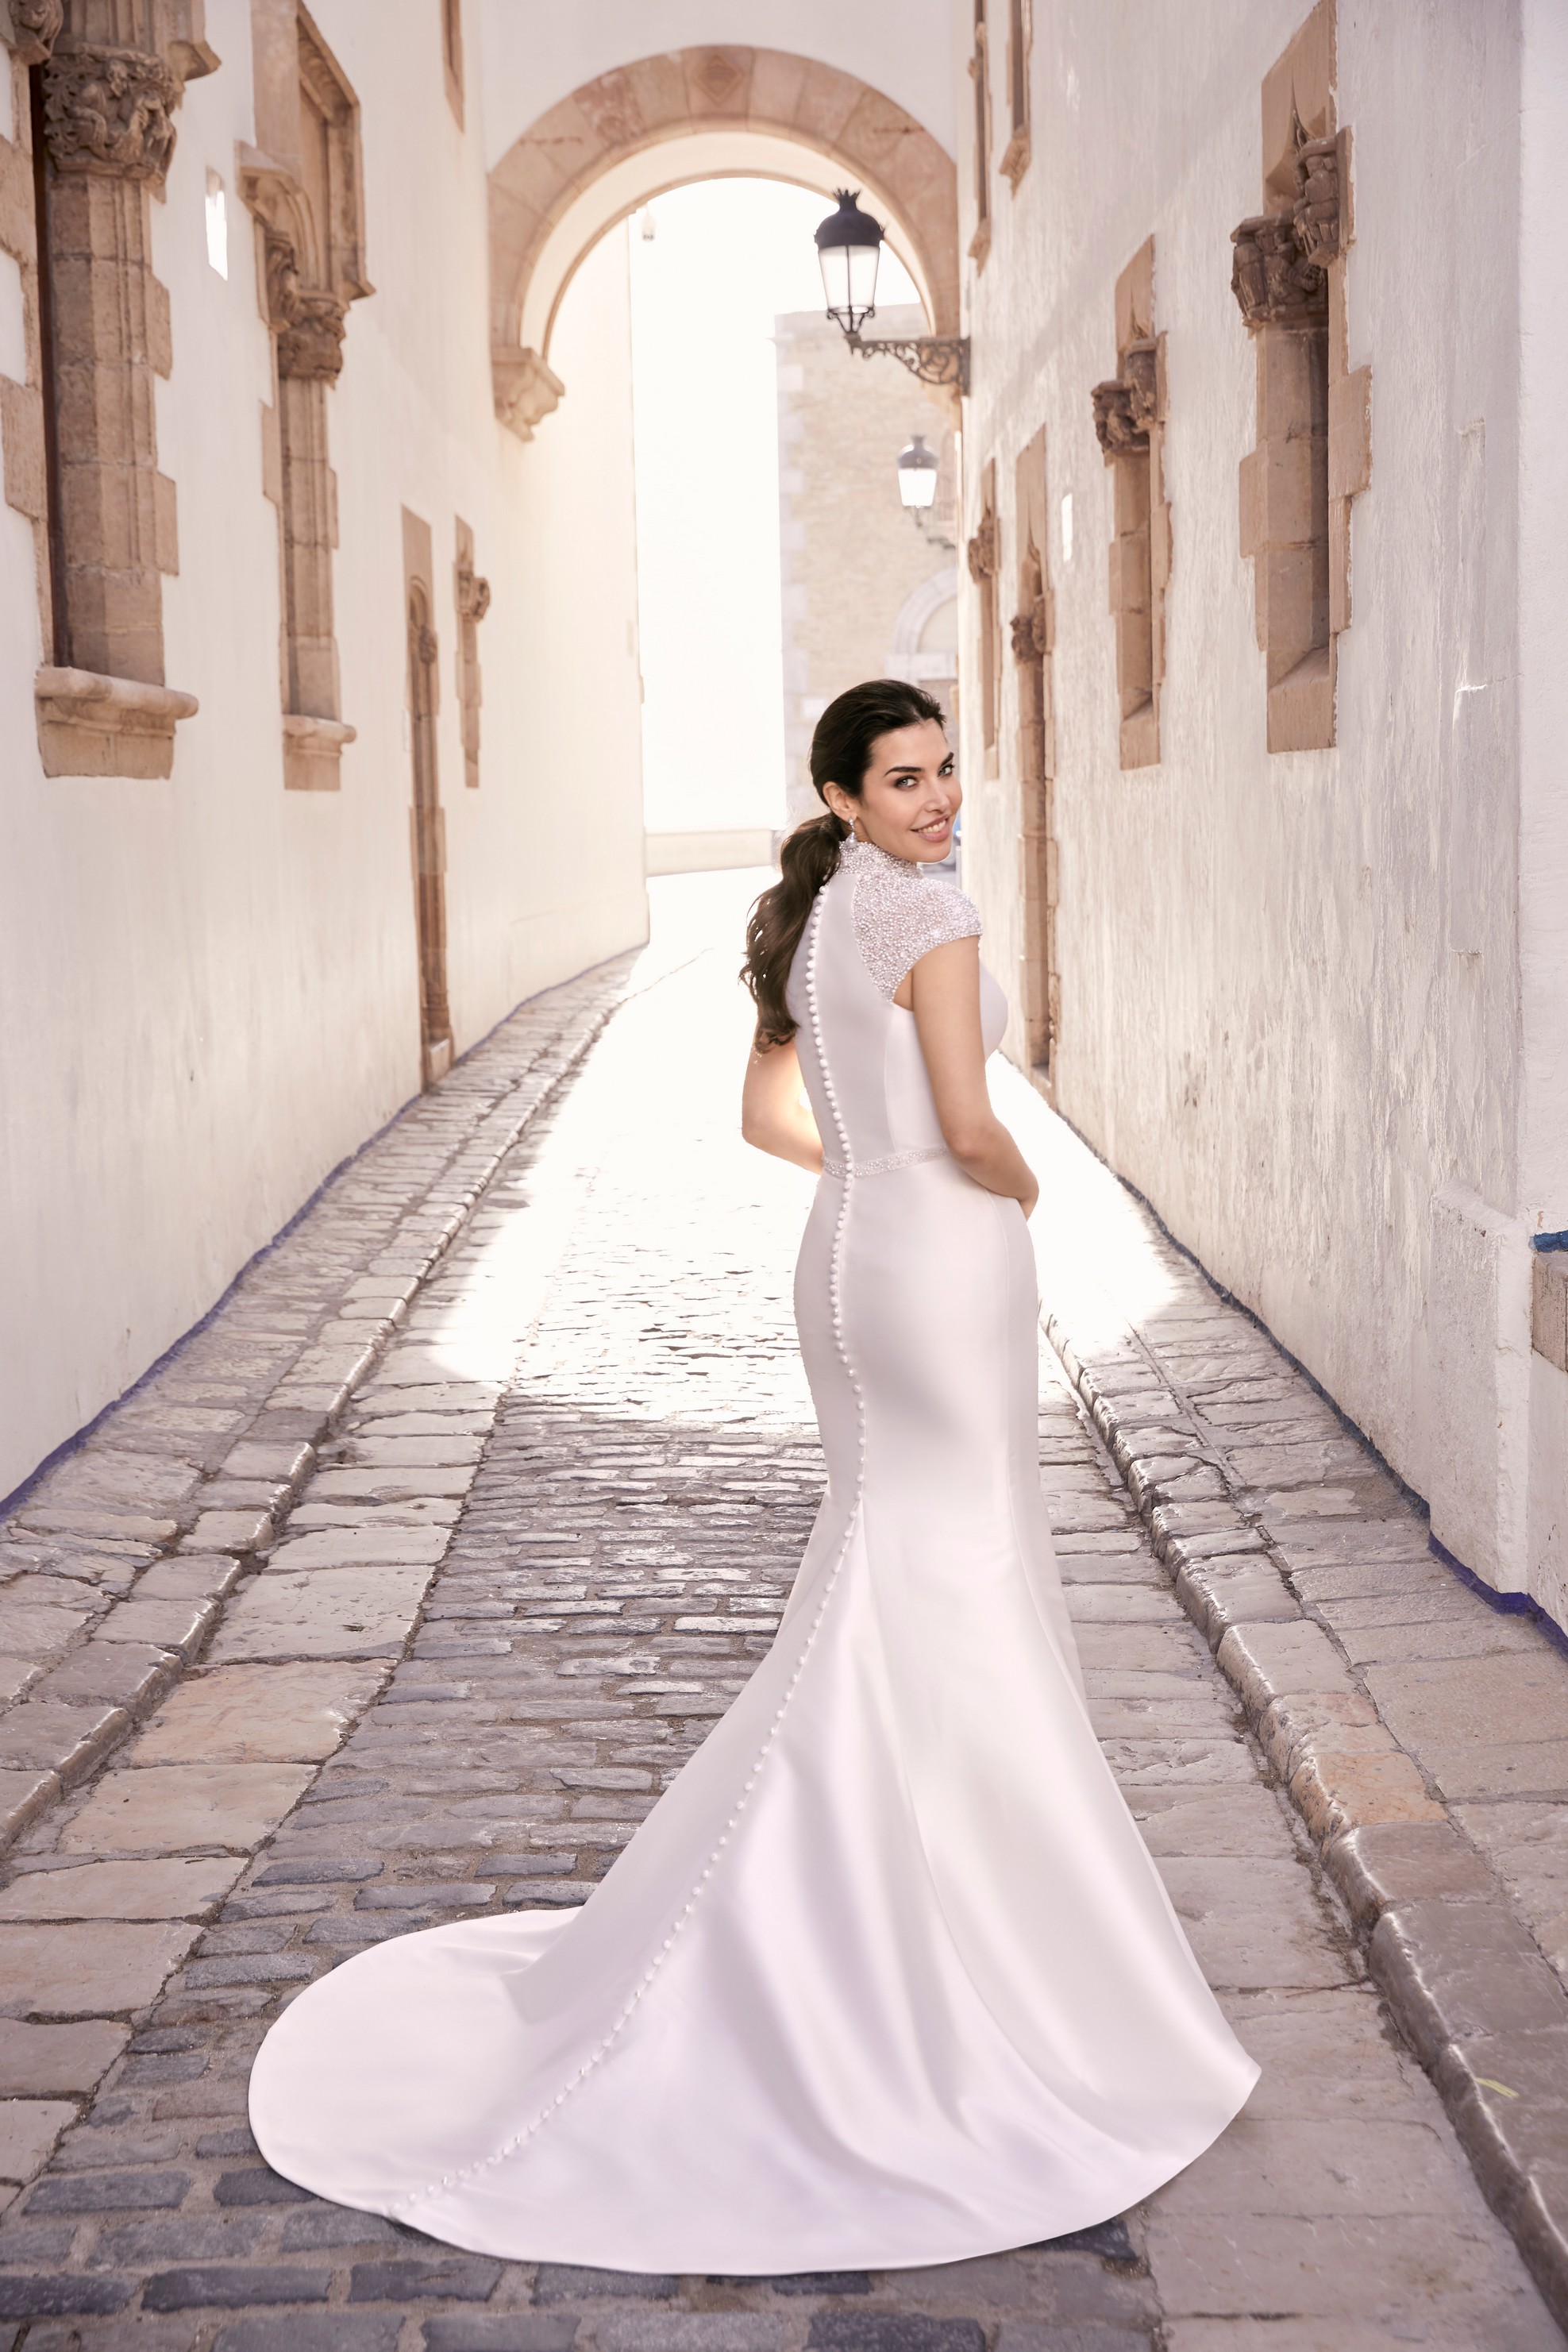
pixel 110 111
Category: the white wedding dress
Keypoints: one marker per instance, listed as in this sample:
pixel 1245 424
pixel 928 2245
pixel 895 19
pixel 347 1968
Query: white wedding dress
pixel 887 1977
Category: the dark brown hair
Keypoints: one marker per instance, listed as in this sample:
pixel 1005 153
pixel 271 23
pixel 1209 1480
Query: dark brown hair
pixel 846 735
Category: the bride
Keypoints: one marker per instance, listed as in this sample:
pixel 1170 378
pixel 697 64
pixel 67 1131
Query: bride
pixel 887 1977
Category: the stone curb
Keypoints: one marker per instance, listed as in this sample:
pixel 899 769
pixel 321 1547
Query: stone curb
pixel 1466 1983
pixel 69 1713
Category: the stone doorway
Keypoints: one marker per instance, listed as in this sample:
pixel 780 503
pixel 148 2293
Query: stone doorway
pixel 429 840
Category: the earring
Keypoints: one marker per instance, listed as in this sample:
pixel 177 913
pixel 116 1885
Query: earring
pixel 855 829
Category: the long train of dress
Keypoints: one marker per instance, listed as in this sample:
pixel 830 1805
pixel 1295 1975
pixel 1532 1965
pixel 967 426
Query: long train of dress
pixel 887 1977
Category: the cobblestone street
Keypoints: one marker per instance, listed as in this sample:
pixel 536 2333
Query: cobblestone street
pixel 487 1569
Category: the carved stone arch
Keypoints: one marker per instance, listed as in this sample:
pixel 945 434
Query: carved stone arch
pixel 737 101
pixel 919 606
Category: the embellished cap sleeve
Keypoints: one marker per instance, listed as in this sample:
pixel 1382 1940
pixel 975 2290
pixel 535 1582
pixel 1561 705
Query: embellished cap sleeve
pixel 901 914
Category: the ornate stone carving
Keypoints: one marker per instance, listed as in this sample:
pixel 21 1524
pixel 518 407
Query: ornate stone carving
pixel 110 111
pixel 310 347
pixel 282 270
pixel 1031 632
pixel 473 593
pixel 309 324
pixel 525 390
pixel 1316 213
pixel 1140 375
pixel 1278 274
pixel 1115 425
pixel 35 27
pixel 984 552
pixel 718 77
pixel 1126 407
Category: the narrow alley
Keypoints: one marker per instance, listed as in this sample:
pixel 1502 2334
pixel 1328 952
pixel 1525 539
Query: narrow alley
pixel 493 1588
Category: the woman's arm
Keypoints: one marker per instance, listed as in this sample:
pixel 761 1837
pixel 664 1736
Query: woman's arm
pixel 943 991
pixel 772 1114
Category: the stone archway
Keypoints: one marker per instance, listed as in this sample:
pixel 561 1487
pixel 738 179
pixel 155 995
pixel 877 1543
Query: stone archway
pixel 764 95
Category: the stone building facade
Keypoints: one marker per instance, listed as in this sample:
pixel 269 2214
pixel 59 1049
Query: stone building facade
pixel 869 591
pixel 265 544
pixel 1268 309
pixel 319 683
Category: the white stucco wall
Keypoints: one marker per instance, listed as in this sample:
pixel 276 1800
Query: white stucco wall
pixel 209 983
pixel 1292 984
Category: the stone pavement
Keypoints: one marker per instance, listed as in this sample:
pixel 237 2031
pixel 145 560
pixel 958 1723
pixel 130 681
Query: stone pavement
pixel 1419 1720
pixel 577 1463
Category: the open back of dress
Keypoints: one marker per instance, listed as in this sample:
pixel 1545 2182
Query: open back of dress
pixel 887 1977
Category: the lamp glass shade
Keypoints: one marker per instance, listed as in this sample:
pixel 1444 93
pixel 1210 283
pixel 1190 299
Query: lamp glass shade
pixel 849 243
pixel 917 473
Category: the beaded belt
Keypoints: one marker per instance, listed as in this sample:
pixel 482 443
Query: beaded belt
pixel 883 1166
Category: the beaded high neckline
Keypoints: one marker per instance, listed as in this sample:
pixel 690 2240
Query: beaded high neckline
pixel 873 860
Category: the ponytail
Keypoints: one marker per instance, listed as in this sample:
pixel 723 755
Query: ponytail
pixel 807 859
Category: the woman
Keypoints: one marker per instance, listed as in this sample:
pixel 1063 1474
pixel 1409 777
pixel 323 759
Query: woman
pixel 887 1977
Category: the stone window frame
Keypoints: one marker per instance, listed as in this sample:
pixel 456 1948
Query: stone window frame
pixel 427 816
pixel 1130 424
pixel 980 74
pixel 309 268
pixel 984 555
pixel 452 54
pixel 95 132
pixel 1313 451
pixel 1015 161
pixel 471 599
pixel 1033 632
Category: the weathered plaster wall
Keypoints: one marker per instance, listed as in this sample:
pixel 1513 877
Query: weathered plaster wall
pixel 1291 983
pixel 209 984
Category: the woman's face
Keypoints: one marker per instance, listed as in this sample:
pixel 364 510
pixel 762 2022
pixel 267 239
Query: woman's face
pixel 909 795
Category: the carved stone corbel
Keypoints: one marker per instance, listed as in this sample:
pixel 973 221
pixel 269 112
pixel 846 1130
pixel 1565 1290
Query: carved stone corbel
pixel 473 593
pixel 1113 426
pixel 1278 270
pixel 34 29
pixel 310 344
pixel 1032 632
pixel 525 389
pixel 1126 406
pixel 984 551
pixel 110 111
pixel 309 324
pixel 1316 212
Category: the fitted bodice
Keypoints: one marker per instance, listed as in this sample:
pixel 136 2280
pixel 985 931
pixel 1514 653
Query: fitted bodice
pixel 860 1053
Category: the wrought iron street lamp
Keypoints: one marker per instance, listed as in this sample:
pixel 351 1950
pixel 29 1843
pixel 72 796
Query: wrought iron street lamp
pixel 919 476
pixel 918 468
pixel 849 243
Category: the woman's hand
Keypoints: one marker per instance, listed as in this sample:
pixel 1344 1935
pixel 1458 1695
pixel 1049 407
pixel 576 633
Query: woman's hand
pixel 943 994
pixel 773 1115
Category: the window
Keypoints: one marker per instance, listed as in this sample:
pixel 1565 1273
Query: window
pixel 1129 418
pixel 217 225
pixel 472 596
pixel 980 74
pixel 452 53
pixel 984 566
pixel 313 268
pixel 1021 34
pixel 1314 425
pixel 1033 635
